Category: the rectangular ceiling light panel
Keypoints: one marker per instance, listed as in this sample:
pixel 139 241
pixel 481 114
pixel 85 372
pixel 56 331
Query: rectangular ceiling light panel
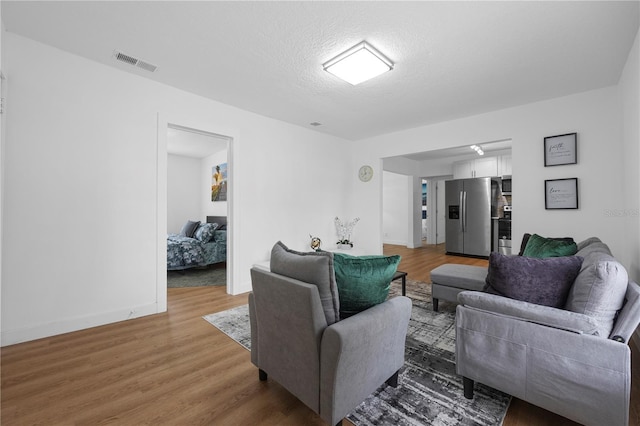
pixel 360 63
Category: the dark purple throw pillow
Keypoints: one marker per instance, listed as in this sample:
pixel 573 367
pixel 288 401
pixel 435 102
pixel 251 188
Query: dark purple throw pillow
pixel 544 281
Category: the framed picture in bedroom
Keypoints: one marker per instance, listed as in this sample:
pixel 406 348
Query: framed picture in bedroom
pixel 219 182
pixel 560 149
pixel 561 194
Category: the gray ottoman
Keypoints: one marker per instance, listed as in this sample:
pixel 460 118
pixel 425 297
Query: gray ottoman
pixel 450 279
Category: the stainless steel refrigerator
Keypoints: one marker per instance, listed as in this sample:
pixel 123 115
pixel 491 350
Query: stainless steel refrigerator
pixel 468 216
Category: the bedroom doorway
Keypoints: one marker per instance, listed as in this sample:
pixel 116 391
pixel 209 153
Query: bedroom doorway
pixel 189 160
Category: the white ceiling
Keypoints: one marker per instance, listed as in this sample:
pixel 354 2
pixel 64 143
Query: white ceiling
pixel 453 59
pixel 193 144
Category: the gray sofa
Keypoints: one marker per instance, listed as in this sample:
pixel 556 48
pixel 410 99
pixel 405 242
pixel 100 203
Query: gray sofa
pixel 298 339
pixel 574 361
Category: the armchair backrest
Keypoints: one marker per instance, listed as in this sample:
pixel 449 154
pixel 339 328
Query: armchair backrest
pixel 629 316
pixel 313 268
pixel 290 322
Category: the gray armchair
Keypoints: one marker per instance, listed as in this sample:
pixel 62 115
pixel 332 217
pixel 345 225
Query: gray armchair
pixel 558 359
pixel 330 365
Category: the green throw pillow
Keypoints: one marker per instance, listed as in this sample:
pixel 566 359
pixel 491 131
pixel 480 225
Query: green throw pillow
pixel 363 281
pixel 541 247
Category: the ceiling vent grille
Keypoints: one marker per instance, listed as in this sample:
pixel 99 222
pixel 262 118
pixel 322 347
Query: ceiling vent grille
pixel 146 66
pixel 127 59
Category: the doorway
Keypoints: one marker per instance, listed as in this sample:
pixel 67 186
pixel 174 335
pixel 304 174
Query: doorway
pixel 201 145
pixel 436 166
pixel 435 212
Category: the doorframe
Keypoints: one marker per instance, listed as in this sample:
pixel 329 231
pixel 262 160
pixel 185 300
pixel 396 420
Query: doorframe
pixel 163 124
pixel 435 207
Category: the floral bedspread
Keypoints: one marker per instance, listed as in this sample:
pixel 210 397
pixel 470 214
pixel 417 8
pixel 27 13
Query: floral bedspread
pixel 184 252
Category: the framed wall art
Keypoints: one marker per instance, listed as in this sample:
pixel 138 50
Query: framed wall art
pixel 560 149
pixel 219 182
pixel 561 193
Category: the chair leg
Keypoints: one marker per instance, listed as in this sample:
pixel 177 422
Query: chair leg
pixel 393 380
pixel 435 304
pixel 467 383
pixel 262 375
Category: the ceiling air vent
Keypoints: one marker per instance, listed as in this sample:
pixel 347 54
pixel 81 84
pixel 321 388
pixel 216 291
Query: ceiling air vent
pixel 127 59
pixel 146 66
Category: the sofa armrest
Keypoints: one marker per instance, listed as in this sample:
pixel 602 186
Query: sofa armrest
pixel 629 316
pixel 359 354
pixel 253 323
pixel 543 315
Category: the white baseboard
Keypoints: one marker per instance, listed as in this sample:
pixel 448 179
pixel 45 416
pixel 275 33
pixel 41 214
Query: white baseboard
pixel 395 243
pixel 26 334
pixel 243 287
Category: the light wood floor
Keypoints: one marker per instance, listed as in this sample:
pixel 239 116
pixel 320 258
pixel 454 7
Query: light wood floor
pixel 176 369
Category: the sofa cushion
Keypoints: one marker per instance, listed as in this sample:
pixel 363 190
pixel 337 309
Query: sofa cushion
pixel 588 241
pixel 599 288
pixel 597 247
pixel 363 281
pixel 544 281
pixel 540 247
pixel 545 315
pixel 525 240
pixel 312 268
pixel 466 277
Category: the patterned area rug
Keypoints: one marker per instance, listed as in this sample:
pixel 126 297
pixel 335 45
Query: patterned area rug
pixel 198 277
pixel 430 392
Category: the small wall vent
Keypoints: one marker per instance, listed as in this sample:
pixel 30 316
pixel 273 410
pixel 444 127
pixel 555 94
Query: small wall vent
pixel 128 59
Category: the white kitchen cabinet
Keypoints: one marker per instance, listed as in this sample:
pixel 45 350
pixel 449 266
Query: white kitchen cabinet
pixel 486 167
pixel 480 167
pixel 504 165
pixel 463 169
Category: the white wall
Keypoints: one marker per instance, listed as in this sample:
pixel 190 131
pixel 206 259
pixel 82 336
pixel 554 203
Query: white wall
pixel 415 212
pixel 208 207
pixel 189 189
pixel 395 212
pixel 83 230
pixel 184 191
pixel 630 95
pixel 630 98
pixel 595 115
pixel 2 139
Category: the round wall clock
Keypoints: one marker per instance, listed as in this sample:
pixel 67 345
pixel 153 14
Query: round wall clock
pixel 366 173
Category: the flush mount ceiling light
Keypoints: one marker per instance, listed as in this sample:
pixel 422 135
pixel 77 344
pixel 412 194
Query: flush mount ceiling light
pixel 477 149
pixel 360 63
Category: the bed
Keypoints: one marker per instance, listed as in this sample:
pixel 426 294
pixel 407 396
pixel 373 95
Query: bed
pixel 198 244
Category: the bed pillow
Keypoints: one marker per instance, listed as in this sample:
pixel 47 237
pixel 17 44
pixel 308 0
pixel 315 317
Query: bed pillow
pixel 540 247
pixel 313 268
pixel 219 236
pixel 363 281
pixel 205 232
pixel 189 228
pixel 545 281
